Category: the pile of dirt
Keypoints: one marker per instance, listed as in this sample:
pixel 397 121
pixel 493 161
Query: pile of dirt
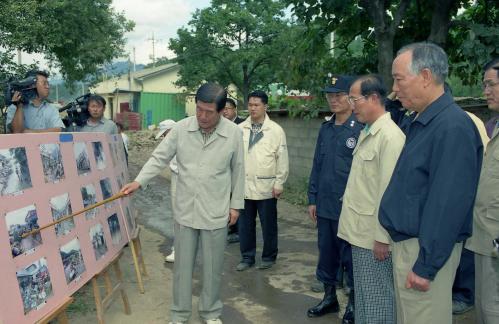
pixel 141 144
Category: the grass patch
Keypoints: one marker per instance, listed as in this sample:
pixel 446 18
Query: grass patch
pixel 83 302
pixel 295 193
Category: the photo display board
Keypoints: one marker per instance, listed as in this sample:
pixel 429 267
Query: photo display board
pixel 44 177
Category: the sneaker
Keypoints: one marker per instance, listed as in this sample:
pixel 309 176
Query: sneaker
pixel 459 307
pixel 317 286
pixel 233 238
pixel 214 321
pixel 171 257
pixel 266 265
pixel 243 266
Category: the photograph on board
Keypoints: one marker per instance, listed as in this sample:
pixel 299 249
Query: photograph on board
pixel 100 159
pixel 113 153
pixel 89 197
pixel 19 222
pixel 34 284
pixel 61 206
pixel 98 241
pixel 14 171
pixel 107 191
pixel 114 228
pixel 81 158
pixel 52 162
pixel 72 260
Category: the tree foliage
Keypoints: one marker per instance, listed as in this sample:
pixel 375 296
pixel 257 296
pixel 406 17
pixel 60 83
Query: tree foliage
pixel 233 42
pixel 465 29
pixel 75 36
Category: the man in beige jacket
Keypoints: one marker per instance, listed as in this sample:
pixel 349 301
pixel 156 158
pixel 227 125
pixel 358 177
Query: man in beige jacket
pixel 266 164
pixel 210 190
pixel 486 214
pixel 374 159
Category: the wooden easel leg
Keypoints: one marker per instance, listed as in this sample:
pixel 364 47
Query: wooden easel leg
pixel 124 296
pixel 98 300
pixel 141 259
pixel 133 246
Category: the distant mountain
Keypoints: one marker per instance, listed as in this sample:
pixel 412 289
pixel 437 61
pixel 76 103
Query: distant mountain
pixel 60 92
pixel 120 68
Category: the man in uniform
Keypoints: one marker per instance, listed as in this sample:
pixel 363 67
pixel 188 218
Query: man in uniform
pixel 331 166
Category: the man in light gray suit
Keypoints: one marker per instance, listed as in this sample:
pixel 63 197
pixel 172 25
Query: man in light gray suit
pixel 210 192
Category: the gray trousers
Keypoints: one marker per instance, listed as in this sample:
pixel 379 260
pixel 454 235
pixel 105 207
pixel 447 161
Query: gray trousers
pixel 486 289
pixel 212 244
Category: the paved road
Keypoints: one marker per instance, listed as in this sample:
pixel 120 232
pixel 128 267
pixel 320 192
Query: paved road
pixel 277 295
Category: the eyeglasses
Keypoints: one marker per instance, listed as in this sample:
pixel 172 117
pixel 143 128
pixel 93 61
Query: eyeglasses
pixel 489 84
pixel 353 100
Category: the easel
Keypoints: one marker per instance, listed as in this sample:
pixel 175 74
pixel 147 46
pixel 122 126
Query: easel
pixel 138 259
pixel 101 304
pixel 58 314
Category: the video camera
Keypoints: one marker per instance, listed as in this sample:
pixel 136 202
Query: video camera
pixel 77 111
pixel 27 88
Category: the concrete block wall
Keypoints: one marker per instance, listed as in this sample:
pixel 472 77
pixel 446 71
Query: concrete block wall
pixel 301 137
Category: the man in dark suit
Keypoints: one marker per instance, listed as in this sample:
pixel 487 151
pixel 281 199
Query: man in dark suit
pixel 230 112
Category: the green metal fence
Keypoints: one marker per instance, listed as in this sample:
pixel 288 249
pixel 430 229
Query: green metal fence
pixel 156 107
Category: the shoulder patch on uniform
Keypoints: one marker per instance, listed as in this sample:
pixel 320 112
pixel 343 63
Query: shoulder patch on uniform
pixel 351 142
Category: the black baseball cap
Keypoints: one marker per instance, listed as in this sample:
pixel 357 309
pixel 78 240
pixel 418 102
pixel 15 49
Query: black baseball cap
pixel 338 83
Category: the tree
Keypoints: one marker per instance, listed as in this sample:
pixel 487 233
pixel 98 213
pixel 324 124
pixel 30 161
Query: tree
pixel 75 36
pixel 233 42
pixel 385 25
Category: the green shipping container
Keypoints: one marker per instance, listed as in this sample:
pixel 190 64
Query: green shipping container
pixel 156 107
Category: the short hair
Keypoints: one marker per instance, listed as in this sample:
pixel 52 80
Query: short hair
pixel 372 84
pixel 259 94
pixel 232 102
pixel 492 64
pixel 97 98
pixel 33 73
pixel 430 56
pixel 212 93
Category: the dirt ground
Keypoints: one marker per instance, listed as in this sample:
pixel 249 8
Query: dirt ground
pixel 278 295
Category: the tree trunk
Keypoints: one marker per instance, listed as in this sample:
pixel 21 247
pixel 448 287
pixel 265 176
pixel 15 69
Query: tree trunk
pixel 246 86
pixel 385 57
pixel 440 22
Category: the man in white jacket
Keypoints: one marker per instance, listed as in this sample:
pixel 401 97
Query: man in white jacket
pixel 266 165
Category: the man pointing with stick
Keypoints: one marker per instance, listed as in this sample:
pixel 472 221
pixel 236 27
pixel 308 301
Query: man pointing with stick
pixel 210 191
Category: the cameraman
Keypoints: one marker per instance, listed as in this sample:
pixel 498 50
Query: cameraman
pixel 97 122
pixel 38 116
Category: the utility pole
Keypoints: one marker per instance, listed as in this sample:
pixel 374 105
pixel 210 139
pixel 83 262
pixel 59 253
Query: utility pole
pixel 19 56
pixel 134 69
pixel 154 41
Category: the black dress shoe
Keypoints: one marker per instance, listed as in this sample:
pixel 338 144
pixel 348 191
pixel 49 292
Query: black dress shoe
pixel 349 316
pixel 329 303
